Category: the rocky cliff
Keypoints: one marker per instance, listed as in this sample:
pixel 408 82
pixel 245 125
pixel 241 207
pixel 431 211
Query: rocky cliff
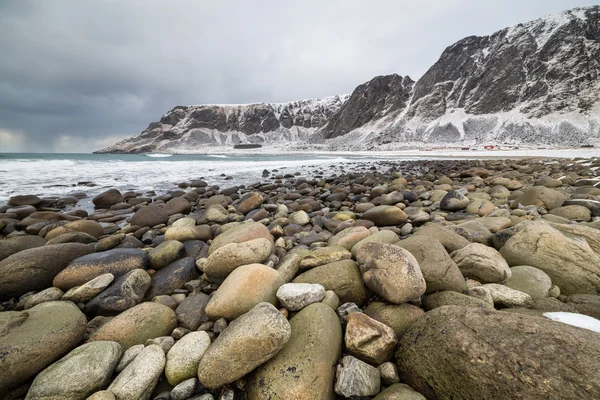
pixel 537 83
pixel 192 128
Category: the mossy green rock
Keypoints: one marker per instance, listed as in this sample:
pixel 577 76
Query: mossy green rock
pixel 77 375
pixel 476 353
pixel 343 277
pixel 34 269
pixel 304 368
pixel 138 324
pixel 33 339
pixel 399 317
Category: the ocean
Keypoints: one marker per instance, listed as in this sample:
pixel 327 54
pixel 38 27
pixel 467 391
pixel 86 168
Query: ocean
pixel 64 174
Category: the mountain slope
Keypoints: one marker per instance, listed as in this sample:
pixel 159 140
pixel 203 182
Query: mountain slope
pixel 192 128
pixel 535 84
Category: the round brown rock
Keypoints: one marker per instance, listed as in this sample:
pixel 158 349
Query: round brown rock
pixel 150 216
pixel 138 324
pixel 385 215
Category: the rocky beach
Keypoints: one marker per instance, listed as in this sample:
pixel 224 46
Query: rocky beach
pixel 376 279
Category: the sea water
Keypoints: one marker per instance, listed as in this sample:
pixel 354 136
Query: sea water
pixel 61 175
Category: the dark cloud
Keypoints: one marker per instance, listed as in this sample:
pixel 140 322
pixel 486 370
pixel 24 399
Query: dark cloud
pixel 77 75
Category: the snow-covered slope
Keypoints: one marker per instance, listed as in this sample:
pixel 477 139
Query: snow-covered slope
pixel 192 128
pixel 536 83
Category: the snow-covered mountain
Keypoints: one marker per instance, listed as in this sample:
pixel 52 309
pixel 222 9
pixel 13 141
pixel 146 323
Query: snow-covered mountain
pixel 537 83
pixel 193 128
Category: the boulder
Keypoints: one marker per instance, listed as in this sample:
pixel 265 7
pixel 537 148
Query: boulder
pixel 349 237
pixel 227 258
pixel 296 296
pixel 243 289
pixel 530 280
pixel 138 379
pixel 240 233
pixel 391 272
pixel 77 375
pixel 177 205
pixel 451 240
pixel 569 261
pixel 473 353
pixel 398 317
pixel 482 263
pixel 184 357
pixel 246 343
pixel 448 298
pixel 86 268
pixel 35 268
pixel 369 340
pixel 322 256
pixel 573 212
pixel 343 277
pixel 108 198
pixel 383 236
pixel 540 196
pixel 24 200
pixel 13 245
pixel 454 200
pixel 164 254
pixel 150 216
pixel 587 304
pixel 89 290
pixel 33 339
pixel 125 292
pixel 438 269
pixel 399 391
pixel 185 233
pixel 172 277
pixel 356 378
pixel 304 368
pixel 138 324
pixel 191 312
pixel 249 202
pixel 385 215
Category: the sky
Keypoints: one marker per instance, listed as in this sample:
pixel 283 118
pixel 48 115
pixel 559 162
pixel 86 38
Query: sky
pixel 77 76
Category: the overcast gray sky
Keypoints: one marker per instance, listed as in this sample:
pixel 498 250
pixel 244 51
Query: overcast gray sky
pixel 76 76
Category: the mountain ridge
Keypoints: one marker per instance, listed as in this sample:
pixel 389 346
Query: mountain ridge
pixel 536 83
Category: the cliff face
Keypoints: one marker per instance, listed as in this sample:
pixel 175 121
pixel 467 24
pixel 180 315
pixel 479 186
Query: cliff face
pixel 537 83
pixel 194 127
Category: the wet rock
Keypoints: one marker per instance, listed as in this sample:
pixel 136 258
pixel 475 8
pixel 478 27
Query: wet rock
pixel 150 216
pixel 172 277
pixel 391 272
pixel 86 268
pixel 481 263
pixel 108 199
pixel 184 357
pixel 164 254
pixel 13 245
pixel 191 312
pixel 296 296
pixel 138 324
pixel 246 343
pixel 369 340
pixel 77 375
pixel 35 268
pixel 33 339
pixel 436 356
pixel 125 292
pixel 385 215
pixel 138 379
pixel 304 368
pixel 230 256
pixel 356 378
pixel 342 277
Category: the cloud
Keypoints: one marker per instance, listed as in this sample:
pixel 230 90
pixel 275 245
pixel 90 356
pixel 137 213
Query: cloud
pixel 87 70
pixel 11 141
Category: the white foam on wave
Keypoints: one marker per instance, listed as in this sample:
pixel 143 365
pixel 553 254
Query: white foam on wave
pixel 158 155
pixel 59 177
pixel 217 156
pixel 578 320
